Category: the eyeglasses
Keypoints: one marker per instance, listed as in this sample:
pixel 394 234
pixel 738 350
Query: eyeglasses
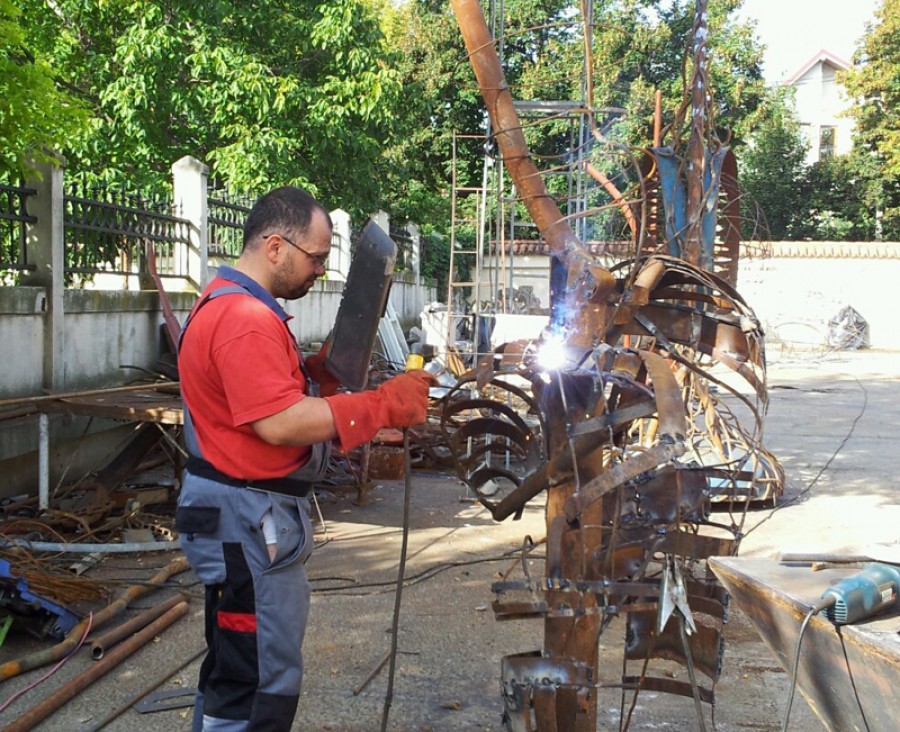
pixel 321 260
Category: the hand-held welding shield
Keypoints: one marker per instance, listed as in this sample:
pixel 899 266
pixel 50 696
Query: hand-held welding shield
pixel 362 307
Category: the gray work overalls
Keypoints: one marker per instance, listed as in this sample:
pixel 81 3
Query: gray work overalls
pixel 256 608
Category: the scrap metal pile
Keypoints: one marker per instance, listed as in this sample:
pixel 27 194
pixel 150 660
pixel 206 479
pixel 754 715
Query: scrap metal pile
pixel 653 413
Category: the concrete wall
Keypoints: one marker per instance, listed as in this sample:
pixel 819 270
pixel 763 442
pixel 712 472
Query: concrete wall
pixel 103 332
pixel 796 290
pixel 795 296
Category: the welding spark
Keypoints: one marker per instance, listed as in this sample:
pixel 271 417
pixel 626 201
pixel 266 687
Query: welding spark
pixel 552 353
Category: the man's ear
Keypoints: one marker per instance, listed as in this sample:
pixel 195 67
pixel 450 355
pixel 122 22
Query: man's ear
pixel 271 246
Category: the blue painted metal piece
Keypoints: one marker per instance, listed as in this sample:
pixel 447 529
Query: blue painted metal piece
pixel 673 190
pixel 57 620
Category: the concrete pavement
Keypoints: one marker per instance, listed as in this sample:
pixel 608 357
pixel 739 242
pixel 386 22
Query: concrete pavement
pixel 831 421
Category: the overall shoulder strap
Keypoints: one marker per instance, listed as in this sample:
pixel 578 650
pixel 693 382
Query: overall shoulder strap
pixel 219 291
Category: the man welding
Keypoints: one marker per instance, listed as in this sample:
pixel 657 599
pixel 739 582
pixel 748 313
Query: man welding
pixel 259 421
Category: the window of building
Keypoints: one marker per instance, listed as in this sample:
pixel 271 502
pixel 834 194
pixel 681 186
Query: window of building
pixel 827 137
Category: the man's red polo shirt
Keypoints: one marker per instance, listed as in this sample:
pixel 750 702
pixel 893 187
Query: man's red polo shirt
pixel 238 364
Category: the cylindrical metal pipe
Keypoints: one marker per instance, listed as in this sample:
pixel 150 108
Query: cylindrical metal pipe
pixel 40 712
pixel 41 658
pixel 43 461
pixel 131 547
pixel 101 643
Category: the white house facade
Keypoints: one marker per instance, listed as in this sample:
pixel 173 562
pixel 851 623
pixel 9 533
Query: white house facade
pixel 821 103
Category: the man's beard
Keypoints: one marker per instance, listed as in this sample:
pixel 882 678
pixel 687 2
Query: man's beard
pixel 285 286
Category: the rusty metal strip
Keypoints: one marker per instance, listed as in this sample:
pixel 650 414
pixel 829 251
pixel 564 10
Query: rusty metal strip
pixel 617 474
pixel 670 405
pixel 642 641
pixel 697 546
pixel 667 686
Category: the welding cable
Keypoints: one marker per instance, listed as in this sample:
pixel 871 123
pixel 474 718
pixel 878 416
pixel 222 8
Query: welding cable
pixel 57 667
pixel 821 605
pixel 428 573
pixel 395 624
pixel 825 467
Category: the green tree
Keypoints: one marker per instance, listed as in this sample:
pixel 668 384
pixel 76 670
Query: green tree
pixel 267 93
pixel 845 197
pixel 772 171
pixel 35 113
pixel 874 82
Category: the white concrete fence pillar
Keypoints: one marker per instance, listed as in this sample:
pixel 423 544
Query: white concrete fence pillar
pixel 189 180
pixel 383 221
pixel 415 254
pixel 339 259
pixel 45 244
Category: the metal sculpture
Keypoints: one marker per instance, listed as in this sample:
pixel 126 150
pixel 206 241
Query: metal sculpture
pixel 654 411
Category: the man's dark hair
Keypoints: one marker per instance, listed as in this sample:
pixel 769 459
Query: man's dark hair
pixel 287 209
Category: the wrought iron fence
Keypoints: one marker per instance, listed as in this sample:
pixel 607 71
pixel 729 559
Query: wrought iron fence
pixel 225 222
pixel 13 219
pixel 404 244
pixel 111 231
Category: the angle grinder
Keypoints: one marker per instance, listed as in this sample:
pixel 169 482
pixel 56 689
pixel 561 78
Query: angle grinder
pixel 861 595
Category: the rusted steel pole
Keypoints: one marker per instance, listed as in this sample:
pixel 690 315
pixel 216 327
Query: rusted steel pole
pixel 696 154
pixel 657 118
pixel 101 643
pixel 508 130
pixel 41 658
pixel 40 712
pixel 85 393
pixel 617 197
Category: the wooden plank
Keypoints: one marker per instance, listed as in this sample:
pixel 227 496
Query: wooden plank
pixel 149 405
pixel 848 674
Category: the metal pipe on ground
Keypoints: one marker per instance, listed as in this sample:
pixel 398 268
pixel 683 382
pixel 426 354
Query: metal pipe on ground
pixel 40 712
pixel 101 643
pixel 41 658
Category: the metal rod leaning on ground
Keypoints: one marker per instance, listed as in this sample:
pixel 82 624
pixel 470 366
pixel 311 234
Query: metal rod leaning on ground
pixel 401 571
pixel 41 658
pixel 100 643
pixel 372 674
pixel 150 688
pixel 40 712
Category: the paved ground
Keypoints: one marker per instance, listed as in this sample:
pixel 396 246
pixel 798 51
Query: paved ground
pixel 831 422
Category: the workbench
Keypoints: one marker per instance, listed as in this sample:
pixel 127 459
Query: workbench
pixel 159 404
pixel 849 674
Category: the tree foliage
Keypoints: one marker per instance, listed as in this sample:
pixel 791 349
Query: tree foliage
pixel 267 92
pixel 772 170
pixel 35 114
pixel 357 100
pixel 875 84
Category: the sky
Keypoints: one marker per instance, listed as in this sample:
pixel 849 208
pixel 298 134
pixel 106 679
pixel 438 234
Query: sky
pixel 795 30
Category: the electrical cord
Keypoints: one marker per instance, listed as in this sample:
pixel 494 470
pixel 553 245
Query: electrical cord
pixel 824 468
pixel 821 605
pixel 53 670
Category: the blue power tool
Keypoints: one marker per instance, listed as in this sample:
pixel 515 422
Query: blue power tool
pixel 862 595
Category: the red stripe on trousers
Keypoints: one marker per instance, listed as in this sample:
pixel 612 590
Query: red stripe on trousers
pixel 241 622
